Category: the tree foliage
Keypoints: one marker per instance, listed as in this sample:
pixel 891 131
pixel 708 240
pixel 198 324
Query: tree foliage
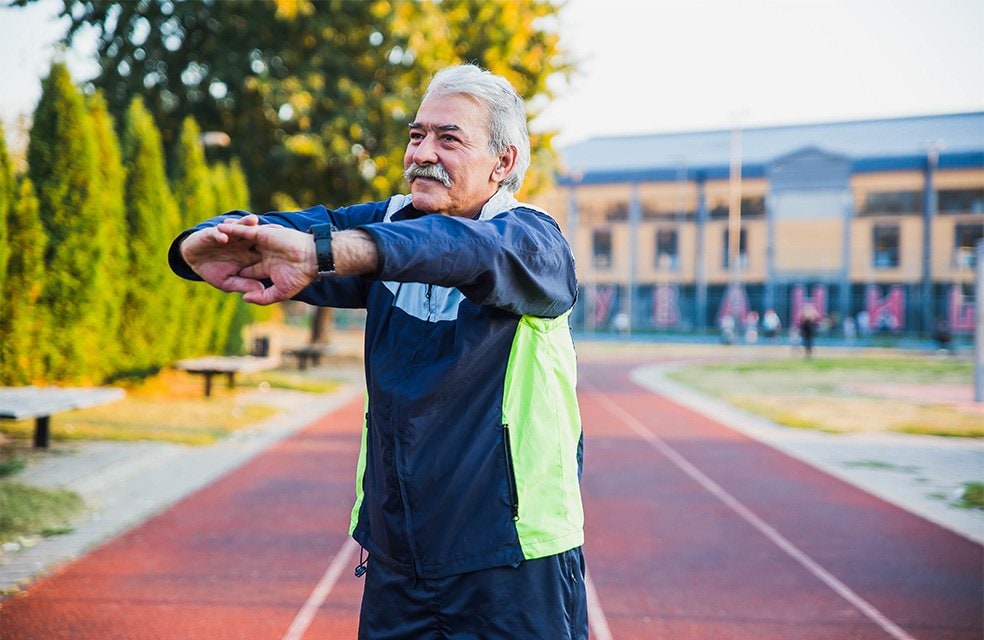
pixel 22 319
pixel 315 95
pixel 63 165
pixel 150 326
pixel 109 202
pixel 6 203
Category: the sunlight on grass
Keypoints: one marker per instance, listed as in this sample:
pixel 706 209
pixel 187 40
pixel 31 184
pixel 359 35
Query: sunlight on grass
pixel 171 407
pixel 818 394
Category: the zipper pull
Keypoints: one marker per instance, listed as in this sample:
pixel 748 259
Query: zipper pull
pixel 363 559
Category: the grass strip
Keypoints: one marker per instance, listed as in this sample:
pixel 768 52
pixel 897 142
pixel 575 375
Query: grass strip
pixel 30 511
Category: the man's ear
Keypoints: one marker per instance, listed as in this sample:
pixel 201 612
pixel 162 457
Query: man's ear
pixel 506 164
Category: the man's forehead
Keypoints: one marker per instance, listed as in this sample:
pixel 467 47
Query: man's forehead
pixel 450 113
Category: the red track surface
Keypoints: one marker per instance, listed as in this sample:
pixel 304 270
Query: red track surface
pixel 693 532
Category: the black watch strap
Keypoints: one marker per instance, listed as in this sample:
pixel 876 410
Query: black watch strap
pixel 322 247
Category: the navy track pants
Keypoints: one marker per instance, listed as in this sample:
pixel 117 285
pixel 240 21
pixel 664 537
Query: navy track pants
pixel 538 599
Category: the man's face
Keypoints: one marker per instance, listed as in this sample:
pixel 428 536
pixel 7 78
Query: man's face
pixel 452 131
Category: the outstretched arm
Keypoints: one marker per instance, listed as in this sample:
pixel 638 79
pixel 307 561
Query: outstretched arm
pixel 239 255
pixel 218 258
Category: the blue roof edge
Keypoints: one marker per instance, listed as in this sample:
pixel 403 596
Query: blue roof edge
pixel 963 160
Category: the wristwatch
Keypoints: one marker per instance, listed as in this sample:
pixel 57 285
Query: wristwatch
pixel 322 247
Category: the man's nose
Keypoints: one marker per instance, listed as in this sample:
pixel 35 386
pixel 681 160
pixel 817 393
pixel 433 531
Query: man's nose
pixel 426 151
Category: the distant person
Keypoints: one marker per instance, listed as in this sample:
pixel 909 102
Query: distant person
pixel 864 323
pixel 621 323
pixel 727 323
pixel 850 329
pixel 751 327
pixel 809 322
pixel 472 529
pixel 942 335
pixel 771 325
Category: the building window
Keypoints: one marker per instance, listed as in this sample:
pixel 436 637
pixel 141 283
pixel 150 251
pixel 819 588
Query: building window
pixel 667 250
pixel 891 202
pixel 751 207
pixel 965 241
pixel 961 200
pixel 601 248
pixel 742 250
pixel 885 240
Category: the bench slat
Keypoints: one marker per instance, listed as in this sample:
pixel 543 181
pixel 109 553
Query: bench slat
pixel 19 403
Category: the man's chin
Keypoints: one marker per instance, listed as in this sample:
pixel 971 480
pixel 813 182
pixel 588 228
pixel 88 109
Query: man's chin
pixel 427 201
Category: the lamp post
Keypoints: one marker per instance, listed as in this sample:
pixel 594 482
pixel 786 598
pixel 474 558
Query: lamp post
pixel 929 212
pixel 734 220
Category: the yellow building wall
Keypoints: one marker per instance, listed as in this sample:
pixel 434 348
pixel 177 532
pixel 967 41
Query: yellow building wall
pixel 807 246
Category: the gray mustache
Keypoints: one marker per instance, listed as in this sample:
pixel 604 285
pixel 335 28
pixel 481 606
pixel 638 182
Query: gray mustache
pixel 433 171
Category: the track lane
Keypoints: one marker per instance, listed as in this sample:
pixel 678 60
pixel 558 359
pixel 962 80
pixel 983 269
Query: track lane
pixel 697 569
pixel 667 558
pixel 234 560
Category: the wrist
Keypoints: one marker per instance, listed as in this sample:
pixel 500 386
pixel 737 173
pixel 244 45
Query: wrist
pixel 324 258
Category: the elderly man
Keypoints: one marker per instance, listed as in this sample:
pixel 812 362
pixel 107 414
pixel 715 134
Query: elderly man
pixel 467 498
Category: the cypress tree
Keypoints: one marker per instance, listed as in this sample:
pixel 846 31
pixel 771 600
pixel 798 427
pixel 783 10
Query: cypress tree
pixel 196 202
pixel 149 322
pixel 223 185
pixel 243 313
pixel 6 201
pixel 62 165
pixel 23 320
pixel 113 233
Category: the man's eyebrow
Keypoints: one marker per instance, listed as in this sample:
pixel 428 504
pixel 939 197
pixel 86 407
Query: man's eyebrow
pixel 441 127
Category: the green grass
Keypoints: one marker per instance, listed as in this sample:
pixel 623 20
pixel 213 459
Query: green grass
pixel 973 496
pixel 30 511
pixel 821 393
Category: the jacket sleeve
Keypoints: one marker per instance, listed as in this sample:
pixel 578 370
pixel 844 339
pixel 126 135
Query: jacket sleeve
pixel 517 261
pixel 341 291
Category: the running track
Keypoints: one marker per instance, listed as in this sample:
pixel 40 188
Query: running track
pixel 694 532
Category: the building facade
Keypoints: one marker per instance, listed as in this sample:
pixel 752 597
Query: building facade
pixel 872 224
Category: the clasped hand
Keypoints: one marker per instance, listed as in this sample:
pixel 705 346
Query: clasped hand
pixel 240 255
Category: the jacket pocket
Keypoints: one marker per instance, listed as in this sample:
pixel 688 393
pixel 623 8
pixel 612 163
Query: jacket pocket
pixel 510 473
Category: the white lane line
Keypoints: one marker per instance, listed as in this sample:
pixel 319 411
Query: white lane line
pixel 596 616
pixel 746 514
pixel 317 598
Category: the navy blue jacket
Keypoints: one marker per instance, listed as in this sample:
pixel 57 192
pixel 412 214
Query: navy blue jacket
pixel 472 444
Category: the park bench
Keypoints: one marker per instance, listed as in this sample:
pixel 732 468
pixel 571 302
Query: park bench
pixel 312 352
pixel 40 403
pixel 228 366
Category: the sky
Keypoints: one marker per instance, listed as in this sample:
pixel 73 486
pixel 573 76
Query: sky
pixel 654 66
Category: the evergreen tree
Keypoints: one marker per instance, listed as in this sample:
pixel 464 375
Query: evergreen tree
pixel 112 208
pixel 149 328
pixel 243 313
pixel 23 320
pixel 195 198
pixel 62 161
pixel 7 189
pixel 224 311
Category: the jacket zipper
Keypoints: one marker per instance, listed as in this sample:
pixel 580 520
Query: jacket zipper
pixel 510 473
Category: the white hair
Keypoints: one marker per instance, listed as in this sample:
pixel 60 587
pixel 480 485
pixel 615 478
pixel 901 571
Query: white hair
pixel 506 110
